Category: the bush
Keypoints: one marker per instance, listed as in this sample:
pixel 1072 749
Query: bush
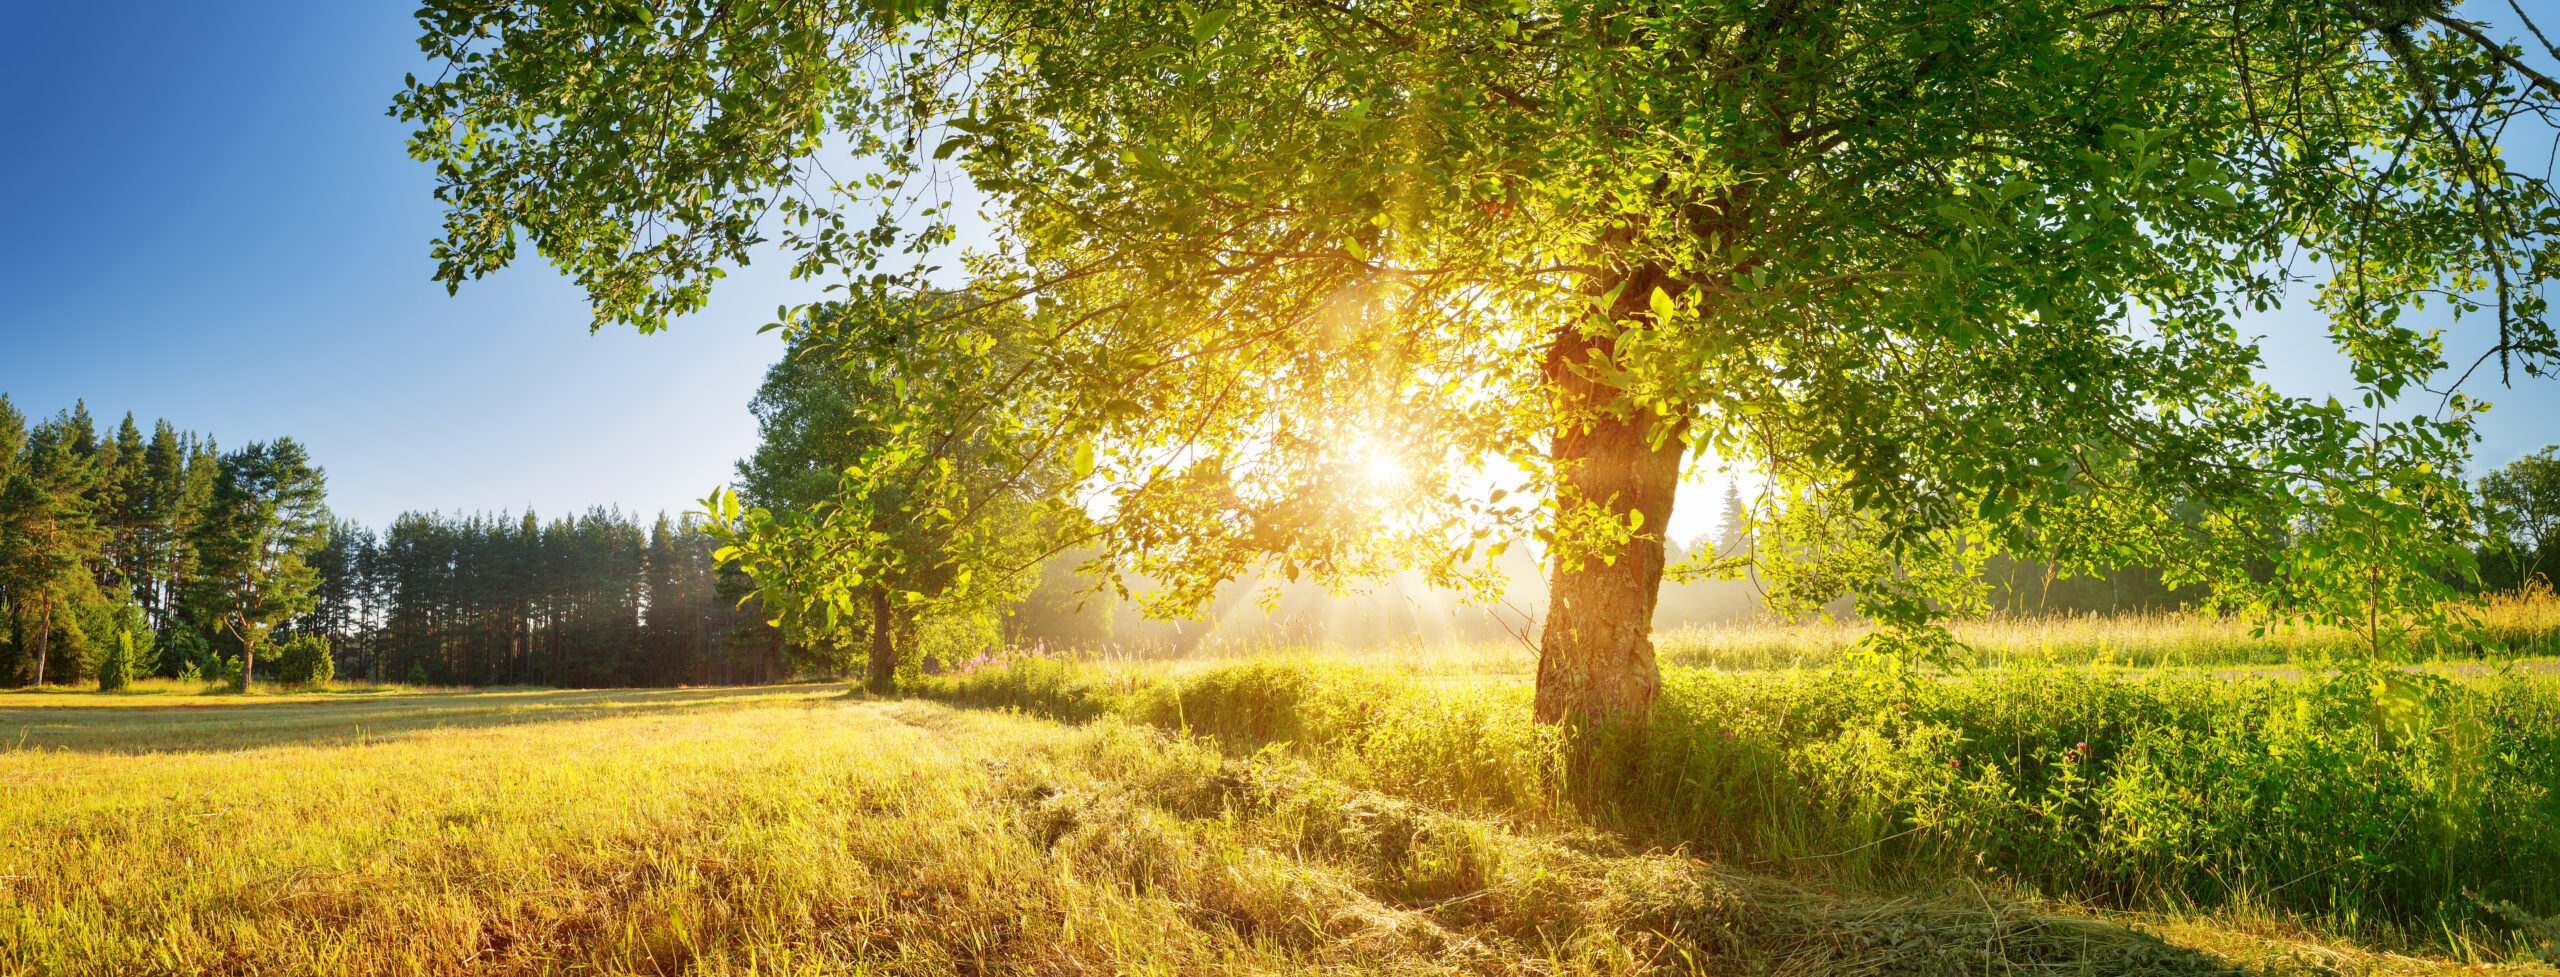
pixel 229 672
pixel 417 673
pixel 304 660
pixel 116 670
pixel 185 652
pixel 2369 801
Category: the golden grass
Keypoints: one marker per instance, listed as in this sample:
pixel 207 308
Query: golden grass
pixel 2527 622
pixel 798 830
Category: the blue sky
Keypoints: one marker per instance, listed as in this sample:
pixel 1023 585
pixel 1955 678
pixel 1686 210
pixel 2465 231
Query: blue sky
pixel 209 219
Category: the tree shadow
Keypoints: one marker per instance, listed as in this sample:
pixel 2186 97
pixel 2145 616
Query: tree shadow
pixel 90 723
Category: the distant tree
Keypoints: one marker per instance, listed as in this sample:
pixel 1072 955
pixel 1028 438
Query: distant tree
pixel 343 599
pixel 116 670
pixel 2520 507
pixel 1733 525
pixel 264 521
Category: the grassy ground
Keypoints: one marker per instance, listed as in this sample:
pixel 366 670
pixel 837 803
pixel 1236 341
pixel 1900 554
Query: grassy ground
pixel 2366 806
pixel 802 830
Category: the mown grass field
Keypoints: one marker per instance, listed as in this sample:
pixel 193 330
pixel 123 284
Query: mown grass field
pixel 1285 815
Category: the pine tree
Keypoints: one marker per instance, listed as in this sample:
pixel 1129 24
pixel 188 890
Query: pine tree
pixel 1733 527
pixel 47 544
pixel 116 671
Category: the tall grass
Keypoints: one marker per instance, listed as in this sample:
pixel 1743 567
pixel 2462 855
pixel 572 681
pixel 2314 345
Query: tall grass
pixel 2366 803
pixel 2523 624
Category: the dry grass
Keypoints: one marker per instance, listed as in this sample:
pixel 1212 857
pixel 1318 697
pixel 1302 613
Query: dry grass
pixel 2527 622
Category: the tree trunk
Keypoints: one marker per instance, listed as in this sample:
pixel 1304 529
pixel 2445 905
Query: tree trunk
pixel 248 660
pixel 1595 655
pixel 884 652
pixel 44 640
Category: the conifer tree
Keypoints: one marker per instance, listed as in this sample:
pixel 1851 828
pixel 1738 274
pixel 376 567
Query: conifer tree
pixel 116 670
pixel 47 540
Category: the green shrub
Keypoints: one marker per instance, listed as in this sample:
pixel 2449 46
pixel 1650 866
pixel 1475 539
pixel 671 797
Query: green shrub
pixel 182 649
pixel 229 673
pixel 417 673
pixel 116 670
pixel 304 660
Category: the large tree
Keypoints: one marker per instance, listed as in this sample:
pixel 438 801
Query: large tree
pixel 264 521
pixel 1955 275
pixel 49 538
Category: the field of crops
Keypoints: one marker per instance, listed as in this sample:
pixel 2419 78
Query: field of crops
pixel 1308 810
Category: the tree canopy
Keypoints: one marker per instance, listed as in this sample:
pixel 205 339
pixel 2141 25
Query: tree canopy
pixel 1955 276
pixel 2520 510
pixel 266 518
pixel 925 491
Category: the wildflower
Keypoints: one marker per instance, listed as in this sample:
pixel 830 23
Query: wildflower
pixel 1955 763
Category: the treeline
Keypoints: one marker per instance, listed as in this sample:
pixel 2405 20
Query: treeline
pixel 97 538
pixel 592 600
pixel 117 551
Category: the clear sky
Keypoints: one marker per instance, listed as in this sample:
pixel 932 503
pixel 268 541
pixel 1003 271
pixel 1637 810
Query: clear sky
pixel 208 218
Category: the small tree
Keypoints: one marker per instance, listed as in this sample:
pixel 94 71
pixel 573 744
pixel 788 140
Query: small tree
pixel 116 671
pixel 264 519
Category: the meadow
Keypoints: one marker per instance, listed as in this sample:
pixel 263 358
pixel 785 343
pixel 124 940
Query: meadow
pixel 1296 811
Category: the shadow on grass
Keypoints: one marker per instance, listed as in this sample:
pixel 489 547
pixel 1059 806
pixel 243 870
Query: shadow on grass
pixel 113 723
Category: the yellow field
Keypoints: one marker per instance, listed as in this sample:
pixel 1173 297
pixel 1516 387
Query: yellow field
pixel 799 830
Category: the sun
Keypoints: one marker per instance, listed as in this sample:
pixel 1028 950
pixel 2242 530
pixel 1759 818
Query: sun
pixel 1382 468
pixel 1377 463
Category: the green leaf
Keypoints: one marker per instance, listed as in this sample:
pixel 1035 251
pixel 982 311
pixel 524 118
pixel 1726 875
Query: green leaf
pixel 1208 25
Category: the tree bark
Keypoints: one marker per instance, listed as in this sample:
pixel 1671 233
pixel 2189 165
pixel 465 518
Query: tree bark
pixel 44 640
pixel 884 653
pixel 1595 654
